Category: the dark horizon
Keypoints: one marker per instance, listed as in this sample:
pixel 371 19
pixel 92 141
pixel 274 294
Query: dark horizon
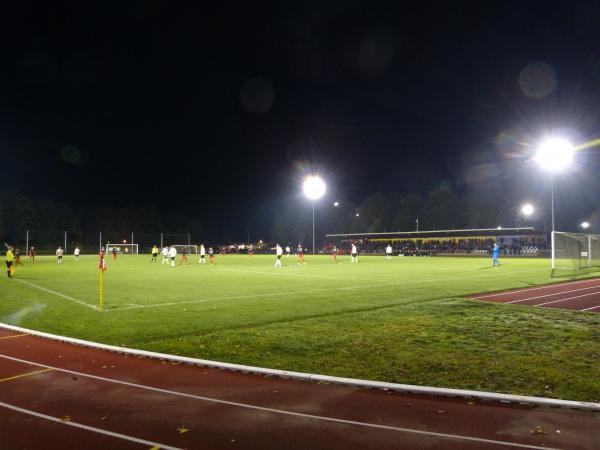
pixel 215 114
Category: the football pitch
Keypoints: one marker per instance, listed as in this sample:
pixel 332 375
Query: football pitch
pixel 404 320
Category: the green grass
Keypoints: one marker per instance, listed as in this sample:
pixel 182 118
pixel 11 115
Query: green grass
pixel 401 321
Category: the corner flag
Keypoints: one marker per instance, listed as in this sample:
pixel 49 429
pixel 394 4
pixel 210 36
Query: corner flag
pixel 101 269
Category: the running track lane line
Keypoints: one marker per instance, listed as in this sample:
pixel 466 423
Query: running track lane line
pixel 550 295
pixel 12 336
pixel 281 411
pixel 66 297
pixel 568 298
pixel 92 429
pixel 23 375
pixel 589 309
pixel 545 286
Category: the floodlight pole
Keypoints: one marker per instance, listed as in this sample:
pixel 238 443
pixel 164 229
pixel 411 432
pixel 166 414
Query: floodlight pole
pixel 552 197
pixel 313 208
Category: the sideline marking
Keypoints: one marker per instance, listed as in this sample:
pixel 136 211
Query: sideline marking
pixel 553 294
pixel 545 286
pixel 12 336
pixel 23 375
pixel 89 428
pixel 66 297
pixel 568 298
pixel 283 411
pixel 344 288
pixel 434 280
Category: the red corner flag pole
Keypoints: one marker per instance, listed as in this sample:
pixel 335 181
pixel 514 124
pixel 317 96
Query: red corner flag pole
pixel 101 269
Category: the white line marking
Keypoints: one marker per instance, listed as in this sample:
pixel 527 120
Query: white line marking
pixel 66 297
pixel 329 289
pixel 589 309
pixel 282 411
pixel 553 294
pixel 302 376
pixel 546 286
pixel 569 298
pixel 88 428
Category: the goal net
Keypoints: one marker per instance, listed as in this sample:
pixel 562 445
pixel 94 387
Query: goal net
pixel 191 249
pixel 575 251
pixel 124 249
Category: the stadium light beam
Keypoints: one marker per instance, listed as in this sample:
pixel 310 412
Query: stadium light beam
pixel 336 204
pixel 314 188
pixel 527 209
pixel 554 155
pixel 585 225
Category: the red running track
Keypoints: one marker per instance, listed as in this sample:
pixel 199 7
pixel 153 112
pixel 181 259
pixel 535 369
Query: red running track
pixel 583 295
pixel 55 395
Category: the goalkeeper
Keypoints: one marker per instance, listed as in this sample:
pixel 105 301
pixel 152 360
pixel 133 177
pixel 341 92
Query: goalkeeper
pixel 495 254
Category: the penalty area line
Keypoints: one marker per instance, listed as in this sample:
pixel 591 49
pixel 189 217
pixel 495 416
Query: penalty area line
pixel 58 294
pixel 87 427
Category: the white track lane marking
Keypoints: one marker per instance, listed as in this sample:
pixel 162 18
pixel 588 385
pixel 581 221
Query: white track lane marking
pixel 283 411
pixel 59 294
pixel 271 294
pixel 87 427
pixel 589 309
pixel 553 294
pixel 565 299
pixel 546 286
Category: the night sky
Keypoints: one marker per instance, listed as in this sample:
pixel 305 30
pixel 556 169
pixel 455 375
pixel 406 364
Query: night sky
pixel 218 111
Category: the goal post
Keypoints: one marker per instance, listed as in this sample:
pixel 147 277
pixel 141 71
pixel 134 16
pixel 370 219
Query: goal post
pixel 191 249
pixel 124 249
pixel 575 251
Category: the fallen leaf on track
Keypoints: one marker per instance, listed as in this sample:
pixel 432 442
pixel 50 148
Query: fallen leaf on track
pixel 182 430
pixel 65 418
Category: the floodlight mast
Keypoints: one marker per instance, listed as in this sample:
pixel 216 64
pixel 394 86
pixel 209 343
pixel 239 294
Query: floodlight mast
pixel 314 188
pixel 554 155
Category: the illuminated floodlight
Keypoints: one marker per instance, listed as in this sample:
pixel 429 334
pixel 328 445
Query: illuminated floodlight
pixel 527 209
pixel 336 203
pixel 585 225
pixel 124 241
pixel 357 215
pixel 499 228
pixel 554 154
pixel 314 187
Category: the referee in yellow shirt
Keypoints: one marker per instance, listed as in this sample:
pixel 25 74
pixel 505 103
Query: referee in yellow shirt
pixel 10 260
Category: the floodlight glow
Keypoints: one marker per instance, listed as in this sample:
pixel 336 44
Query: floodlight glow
pixel 314 187
pixel 499 228
pixel 527 209
pixel 554 154
pixel 585 225
pixel 357 214
pixel 336 204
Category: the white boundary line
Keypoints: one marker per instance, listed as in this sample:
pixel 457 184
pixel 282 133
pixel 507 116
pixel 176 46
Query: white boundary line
pixel 281 411
pixel 589 309
pixel 546 286
pixel 66 297
pixel 271 294
pixel 445 392
pixel 551 295
pixel 568 298
pixel 89 428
